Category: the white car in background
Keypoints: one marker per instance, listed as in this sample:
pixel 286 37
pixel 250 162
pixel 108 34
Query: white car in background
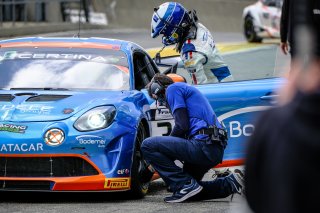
pixel 262 20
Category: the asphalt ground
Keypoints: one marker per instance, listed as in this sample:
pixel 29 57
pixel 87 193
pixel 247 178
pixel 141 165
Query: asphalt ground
pixel 153 202
pixel 31 202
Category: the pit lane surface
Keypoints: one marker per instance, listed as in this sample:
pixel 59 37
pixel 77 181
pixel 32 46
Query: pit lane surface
pixel 32 202
pixel 114 202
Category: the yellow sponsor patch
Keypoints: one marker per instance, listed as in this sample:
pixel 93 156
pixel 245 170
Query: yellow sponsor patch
pixel 175 35
pixel 117 183
pixel 189 63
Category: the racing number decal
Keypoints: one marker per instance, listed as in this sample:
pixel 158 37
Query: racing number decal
pixel 162 127
pixel 161 120
pixel 165 124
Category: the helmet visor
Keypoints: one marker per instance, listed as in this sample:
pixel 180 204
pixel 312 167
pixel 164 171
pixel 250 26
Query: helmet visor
pixel 157 26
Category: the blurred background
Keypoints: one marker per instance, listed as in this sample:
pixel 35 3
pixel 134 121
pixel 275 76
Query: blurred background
pixel 38 16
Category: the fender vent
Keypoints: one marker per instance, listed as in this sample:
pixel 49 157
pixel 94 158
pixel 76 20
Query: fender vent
pixel 6 97
pixel 41 98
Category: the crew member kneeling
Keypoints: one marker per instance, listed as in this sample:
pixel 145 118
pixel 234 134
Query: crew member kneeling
pixel 198 140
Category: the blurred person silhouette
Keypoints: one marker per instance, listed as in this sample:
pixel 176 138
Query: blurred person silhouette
pixel 193 41
pixel 198 140
pixel 282 162
pixel 85 6
pixel 286 40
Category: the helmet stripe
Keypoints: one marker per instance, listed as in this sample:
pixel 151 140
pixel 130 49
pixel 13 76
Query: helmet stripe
pixel 167 20
pixel 162 24
pixel 169 12
pixel 167 15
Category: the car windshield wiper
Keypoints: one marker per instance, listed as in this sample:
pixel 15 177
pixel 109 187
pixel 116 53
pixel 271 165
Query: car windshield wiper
pixel 44 88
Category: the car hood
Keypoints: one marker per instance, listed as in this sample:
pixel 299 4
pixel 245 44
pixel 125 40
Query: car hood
pixel 52 106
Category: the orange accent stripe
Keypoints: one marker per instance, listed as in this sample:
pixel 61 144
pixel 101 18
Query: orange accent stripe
pixel 122 68
pixel 230 163
pixel 61 44
pixel 79 183
pixel 226 163
pixel 155 176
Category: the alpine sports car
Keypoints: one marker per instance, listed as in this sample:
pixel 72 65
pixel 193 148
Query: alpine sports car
pixel 72 114
pixel 262 20
pixel 74 111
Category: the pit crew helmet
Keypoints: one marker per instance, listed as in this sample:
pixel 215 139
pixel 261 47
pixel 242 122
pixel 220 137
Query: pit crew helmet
pixel 171 20
pixel 177 78
pixel 157 87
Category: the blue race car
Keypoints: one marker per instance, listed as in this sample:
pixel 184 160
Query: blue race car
pixel 74 112
pixel 72 117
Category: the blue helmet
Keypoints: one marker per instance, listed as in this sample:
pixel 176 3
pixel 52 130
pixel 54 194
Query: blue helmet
pixel 171 20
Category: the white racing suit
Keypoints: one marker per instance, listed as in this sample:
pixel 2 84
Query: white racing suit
pixel 202 59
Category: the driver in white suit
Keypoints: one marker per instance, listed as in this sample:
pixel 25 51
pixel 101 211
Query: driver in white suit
pixel 193 41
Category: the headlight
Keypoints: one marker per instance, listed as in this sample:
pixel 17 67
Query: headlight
pixel 97 118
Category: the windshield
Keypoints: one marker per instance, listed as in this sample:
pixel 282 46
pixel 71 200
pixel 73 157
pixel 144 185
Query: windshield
pixel 61 68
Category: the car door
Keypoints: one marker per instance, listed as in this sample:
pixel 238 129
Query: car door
pixel 257 71
pixel 237 105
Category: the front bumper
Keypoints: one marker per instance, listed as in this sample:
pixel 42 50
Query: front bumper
pixel 69 172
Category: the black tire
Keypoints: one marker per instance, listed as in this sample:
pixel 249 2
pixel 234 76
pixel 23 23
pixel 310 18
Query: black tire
pixel 249 31
pixel 138 188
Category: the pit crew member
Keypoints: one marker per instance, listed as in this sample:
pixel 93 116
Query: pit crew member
pixel 198 140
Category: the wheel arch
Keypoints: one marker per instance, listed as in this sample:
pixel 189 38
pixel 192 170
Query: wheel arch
pixel 255 17
pixel 146 125
pixel 138 189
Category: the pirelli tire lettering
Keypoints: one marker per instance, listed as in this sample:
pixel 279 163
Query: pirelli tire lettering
pixel 117 183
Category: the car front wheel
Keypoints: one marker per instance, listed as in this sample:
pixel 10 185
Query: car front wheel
pixel 249 30
pixel 138 187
